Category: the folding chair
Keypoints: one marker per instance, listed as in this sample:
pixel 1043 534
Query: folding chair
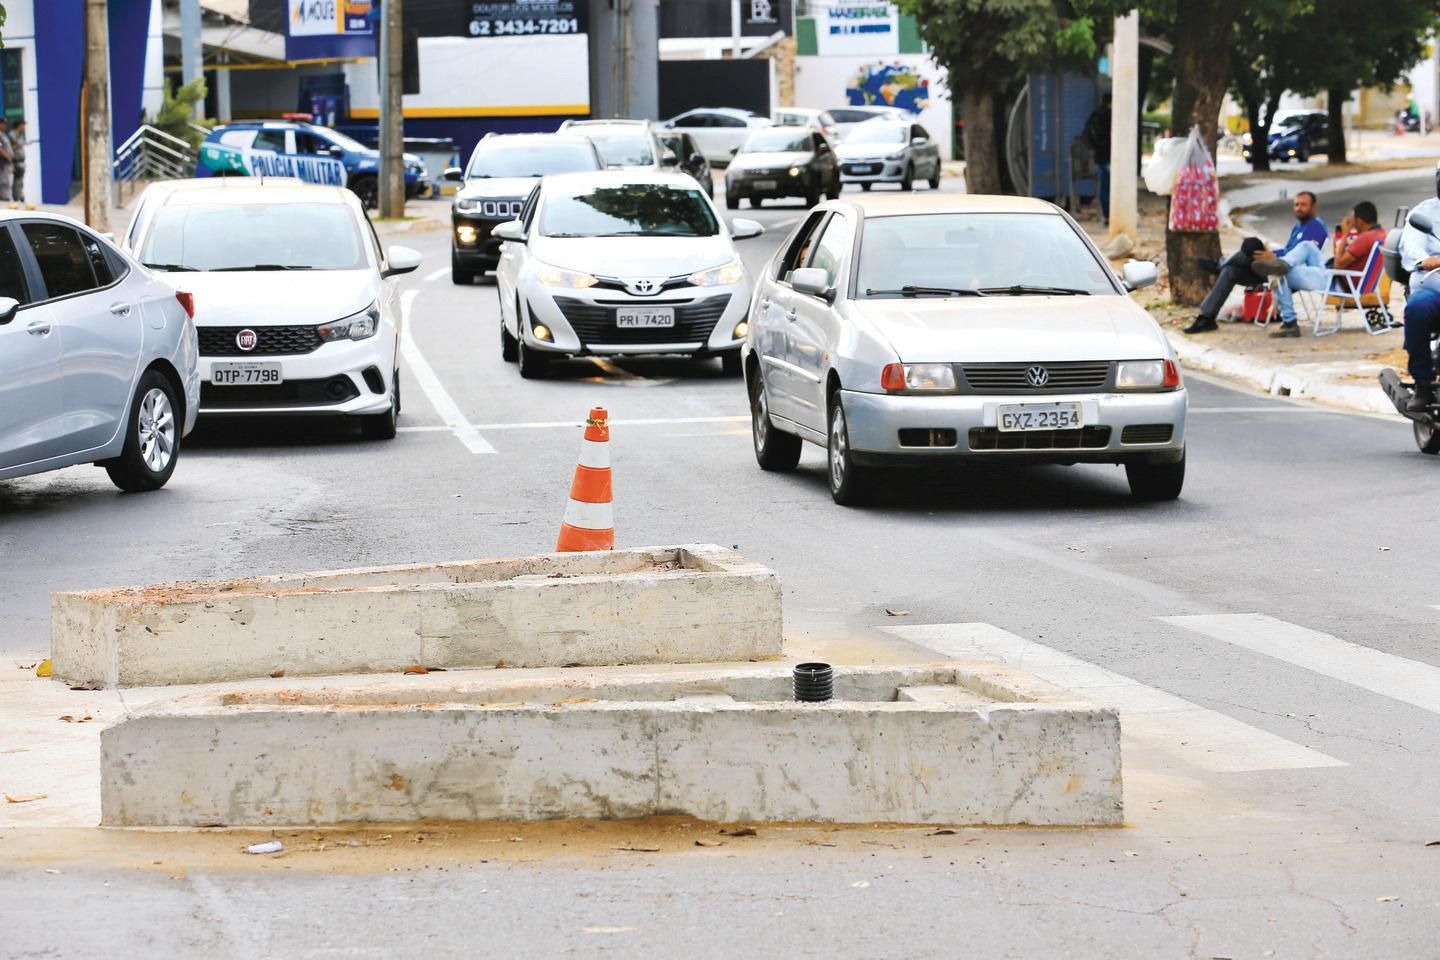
pixel 1366 289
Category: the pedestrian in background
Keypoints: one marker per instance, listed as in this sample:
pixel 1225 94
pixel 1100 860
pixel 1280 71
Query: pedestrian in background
pixel 7 164
pixel 1097 135
pixel 17 157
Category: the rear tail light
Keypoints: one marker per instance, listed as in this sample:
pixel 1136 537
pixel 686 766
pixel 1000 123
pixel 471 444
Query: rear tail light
pixel 893 377
pixel 1172 374
pixel 187 300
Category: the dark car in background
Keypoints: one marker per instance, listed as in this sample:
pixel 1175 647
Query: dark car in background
pixel 502 171
pixel 689 158
pixel 1296 136
pixel 783 162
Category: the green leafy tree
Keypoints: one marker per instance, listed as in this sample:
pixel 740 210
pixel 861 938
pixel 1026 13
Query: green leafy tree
pixel 2 22
pixel 177 109
pixel 988 45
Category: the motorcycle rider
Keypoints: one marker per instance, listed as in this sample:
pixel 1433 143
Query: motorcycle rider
pixel 1420 256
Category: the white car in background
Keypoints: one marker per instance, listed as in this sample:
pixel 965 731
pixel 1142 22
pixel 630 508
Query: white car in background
pixel 97 357
pixel 297 313
pixel 621 263
pixel 821 120
pixel 845 119
pixel 719 131
pixel 898 330
pixel 889 151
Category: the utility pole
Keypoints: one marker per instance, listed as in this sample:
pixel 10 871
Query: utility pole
pixel 98 174
pixel 392 120
pixel 734 29
pixel 1125 126
pixel 192 55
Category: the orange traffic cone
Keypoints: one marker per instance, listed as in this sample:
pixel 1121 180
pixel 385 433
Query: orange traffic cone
pixel 589 522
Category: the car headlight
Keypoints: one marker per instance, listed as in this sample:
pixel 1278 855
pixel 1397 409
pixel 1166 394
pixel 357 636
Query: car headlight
pixel 1147 375
pixel 553 276
pixel 721 276
pixel 896 156
pixel 356 327
pixel 794 171
pixel 917 376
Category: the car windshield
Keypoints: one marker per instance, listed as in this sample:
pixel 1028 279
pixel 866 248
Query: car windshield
pixel 250 236
pixel 533 159
pixel 851 116
pixel 623 149
pixel 628 210
pixel 877 133
pixel 779 141
pixel 976 253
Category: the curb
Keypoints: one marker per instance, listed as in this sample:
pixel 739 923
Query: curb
pixel 1283 381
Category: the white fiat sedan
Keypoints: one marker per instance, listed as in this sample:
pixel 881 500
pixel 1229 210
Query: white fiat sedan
pixel 295 311
pixel 621 263
pixel 895 330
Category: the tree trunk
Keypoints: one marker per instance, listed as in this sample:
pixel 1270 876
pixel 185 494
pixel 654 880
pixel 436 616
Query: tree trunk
pixel 1259 136
pixel 1336 100
pixel 1202 27
pixel 982 159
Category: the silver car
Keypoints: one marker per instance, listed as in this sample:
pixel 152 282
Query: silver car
pixel 896 330
pixel 98 358
pixel 889 151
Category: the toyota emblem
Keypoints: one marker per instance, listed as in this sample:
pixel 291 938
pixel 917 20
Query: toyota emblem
pixel 246 339
pixel 1037 376
pixel 644 286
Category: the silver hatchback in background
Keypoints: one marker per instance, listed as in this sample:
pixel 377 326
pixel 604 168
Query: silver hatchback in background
pixel 889 151
pixel 97 357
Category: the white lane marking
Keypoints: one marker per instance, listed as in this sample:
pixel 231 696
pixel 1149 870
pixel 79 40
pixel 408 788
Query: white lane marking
pixel 787 222
pixel 438 428
pixel 437 274
pixel 1409 681
pixel 440 399
pixel 652 422
pixel 1199 736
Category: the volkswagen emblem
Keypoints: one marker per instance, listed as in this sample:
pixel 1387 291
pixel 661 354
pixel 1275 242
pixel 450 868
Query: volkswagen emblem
pixel 1037 376
pixel 246 339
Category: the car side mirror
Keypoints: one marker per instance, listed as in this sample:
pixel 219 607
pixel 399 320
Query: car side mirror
pixel 1421 222
pixel 668 158
pixel 812 281
pixel 512 230
pixel 696 159
pixel 742 228
pixel 8 306
pixel 734 150
pixel 454 174
pixel 401 260
pixel 919 141
pixel 1138 274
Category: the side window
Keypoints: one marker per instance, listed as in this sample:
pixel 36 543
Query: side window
pixel 820 145
pixel 799 251
pixel 12 274
pixel 834 244
pixel 99 262
pixel 689 147
pixel 693 120
pixel 237 138
pixel 64 264
pixel 721 120
pixel 311 145
pixel 270 140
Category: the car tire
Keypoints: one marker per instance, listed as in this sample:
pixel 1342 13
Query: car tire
pixel 1156 481
pixel 458 274
pixel 1427 438
pixel 533 364
pixel 382 426
pixel 812 197
pixel 730 363
pixel 509 346
pixel 834 193
pixel 775 450
pixel 849 481
pixel 152 439
pixel 756 202
pixel 368 190
pixel 908 183
pixel 865 187
pixel 732 201
pixel 934 180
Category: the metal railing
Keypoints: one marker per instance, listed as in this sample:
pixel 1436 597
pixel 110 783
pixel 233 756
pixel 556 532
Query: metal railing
pixel 152 154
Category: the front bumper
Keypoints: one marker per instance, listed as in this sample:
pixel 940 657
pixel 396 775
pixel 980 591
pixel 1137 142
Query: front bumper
pixel 340 378
pixel 481 253
pixel 582 322
pixel 1116 428
pixel 873 171
pixel 775 185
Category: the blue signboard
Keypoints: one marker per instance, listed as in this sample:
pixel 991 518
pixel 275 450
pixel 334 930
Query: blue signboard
pixel 1060 103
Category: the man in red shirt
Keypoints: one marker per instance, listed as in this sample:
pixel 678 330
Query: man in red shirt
pixel 1303 268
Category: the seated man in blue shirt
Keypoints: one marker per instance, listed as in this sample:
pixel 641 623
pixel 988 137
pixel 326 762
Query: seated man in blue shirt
pixel 1420 256
pixel 1237 269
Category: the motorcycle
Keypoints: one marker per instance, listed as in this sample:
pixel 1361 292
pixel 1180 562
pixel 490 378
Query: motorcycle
pixel 1426 423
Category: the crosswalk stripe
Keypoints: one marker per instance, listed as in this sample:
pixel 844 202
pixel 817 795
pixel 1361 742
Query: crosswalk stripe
pixel 1201 737
pixel 1409 681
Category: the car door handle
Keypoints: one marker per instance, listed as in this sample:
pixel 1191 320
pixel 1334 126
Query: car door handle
pixel 764 303
pixel 120 309
pixel 790 314
pixel 40 328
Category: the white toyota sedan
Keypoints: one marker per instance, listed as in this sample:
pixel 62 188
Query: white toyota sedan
pixel 295 310
pixel 621 263
pixel 897 330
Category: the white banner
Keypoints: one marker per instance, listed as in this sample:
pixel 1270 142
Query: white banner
pixel 855 27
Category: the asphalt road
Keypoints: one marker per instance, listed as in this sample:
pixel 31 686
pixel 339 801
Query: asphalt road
pixel 1300 561
pixel 1274 220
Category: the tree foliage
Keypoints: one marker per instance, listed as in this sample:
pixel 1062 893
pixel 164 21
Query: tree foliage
pixel 177 109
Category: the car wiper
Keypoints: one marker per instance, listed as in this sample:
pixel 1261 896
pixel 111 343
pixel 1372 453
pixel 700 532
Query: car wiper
pixel 911 290
pixel 265 266
pixel 1020 289
pixel 172 267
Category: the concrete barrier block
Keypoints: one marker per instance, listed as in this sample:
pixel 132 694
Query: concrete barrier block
pixel 697 603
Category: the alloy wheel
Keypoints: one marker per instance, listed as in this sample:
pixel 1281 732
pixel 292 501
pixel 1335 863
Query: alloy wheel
pixel 839 448
pixel 157 430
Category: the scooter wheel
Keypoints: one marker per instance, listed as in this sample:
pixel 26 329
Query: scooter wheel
pixel 1427 438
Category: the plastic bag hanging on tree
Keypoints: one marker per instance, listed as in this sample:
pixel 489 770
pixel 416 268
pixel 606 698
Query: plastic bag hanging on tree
pixel 1195 203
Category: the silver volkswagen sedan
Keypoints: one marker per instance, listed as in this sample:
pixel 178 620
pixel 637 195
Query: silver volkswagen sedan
pixel 98 358
pixel 897 329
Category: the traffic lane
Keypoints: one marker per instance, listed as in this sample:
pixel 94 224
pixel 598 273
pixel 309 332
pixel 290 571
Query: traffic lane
pixel 1274 220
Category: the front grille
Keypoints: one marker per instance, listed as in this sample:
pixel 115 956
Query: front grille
pixel 1147 433
pixel 269 341
pixel 1015 377
pixel 1086 438
pixel 595 323
pixel 291 393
